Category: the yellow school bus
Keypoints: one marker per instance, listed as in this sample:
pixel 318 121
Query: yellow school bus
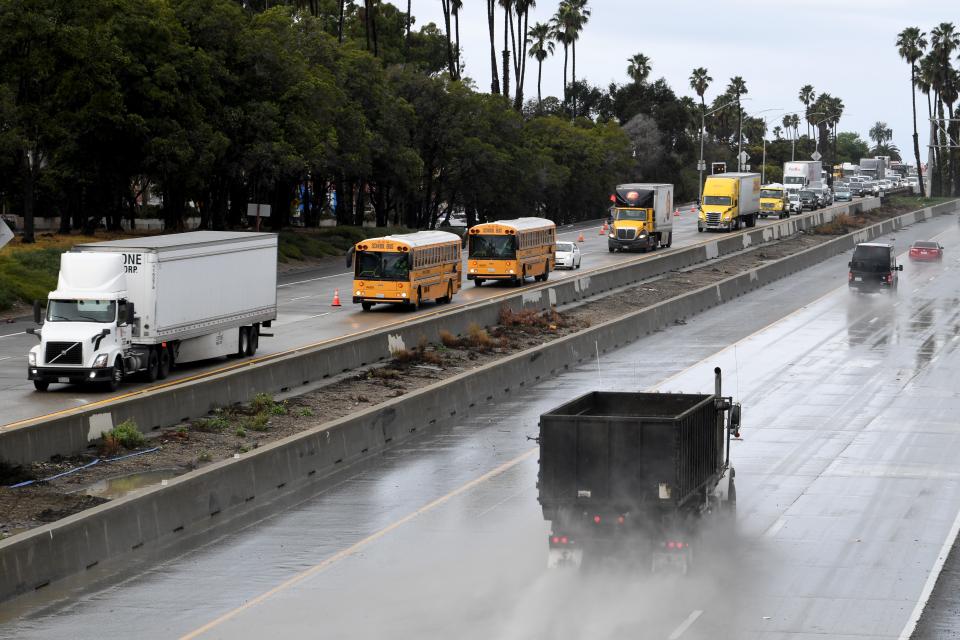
pixel 407 269
pixel 512 250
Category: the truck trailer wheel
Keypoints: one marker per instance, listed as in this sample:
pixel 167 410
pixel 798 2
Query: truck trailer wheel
pixel 41 385
pixel 243 343
pixel 254 340
pixel 166 361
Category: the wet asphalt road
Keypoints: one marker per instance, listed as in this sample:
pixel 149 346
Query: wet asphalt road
pixel 847 484
pixel 305 317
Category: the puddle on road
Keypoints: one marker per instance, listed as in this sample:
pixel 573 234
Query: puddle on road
pixel 113 488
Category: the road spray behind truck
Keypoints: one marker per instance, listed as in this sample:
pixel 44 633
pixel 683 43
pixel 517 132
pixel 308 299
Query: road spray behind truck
pixel 730 201
pixel 642 217
pixel 138 306
pixel 631 475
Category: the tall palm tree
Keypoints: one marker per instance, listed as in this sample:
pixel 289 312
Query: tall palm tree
pixel 507 6
pixel 491 28
pixel 577 15
pixel 738 88
pixel 910 46
pixel 795 122
pixel 522 8
pixel 925 82
pixel 541 47
pixel 638 68
pixel 777 132
pixel 880 133
pixel 452 66
pixel 699 81
pixel 944 41
pixel 558 30
pixel 807 95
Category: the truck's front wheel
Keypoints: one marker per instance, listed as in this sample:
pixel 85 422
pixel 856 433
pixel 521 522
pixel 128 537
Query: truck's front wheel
pixel 41 385
pixel 116 375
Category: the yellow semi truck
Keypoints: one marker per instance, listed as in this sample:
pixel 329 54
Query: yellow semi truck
pixel 774 201
pixel 730 201
pixel 642 217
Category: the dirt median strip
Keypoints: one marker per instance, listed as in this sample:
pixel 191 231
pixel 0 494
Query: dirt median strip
pixel 235 430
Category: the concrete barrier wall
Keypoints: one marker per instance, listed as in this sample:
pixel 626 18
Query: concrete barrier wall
pixel 71 432
pixel 201 500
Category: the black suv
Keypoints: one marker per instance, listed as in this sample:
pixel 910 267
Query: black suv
pixel 809 200
pixel 874 267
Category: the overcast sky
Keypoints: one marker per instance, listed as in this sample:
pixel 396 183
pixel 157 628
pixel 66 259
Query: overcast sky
pixel 845 48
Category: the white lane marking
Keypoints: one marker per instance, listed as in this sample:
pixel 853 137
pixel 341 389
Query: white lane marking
pixel 874 320
pixel 775 527
pixel 10 335
pixel 336 275
pixel 304 297
pixel 911 625
pixel 319 315
pixel 679 631
pixel 9 357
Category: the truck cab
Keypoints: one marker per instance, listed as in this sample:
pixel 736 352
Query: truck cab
pixel 641 217
pixel 88 325
pixel 730 201
pixel 774 201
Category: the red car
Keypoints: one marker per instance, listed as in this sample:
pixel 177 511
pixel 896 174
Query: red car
pixel 926 250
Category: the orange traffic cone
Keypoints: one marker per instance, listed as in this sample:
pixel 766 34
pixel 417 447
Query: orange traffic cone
pixel 336 298
pixel 676 212
pixel 580 237
pixel 693 208
pixel 603 229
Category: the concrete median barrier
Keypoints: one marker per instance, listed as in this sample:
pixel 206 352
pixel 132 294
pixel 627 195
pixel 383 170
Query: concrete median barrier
pixel 71 432
pixel 200 502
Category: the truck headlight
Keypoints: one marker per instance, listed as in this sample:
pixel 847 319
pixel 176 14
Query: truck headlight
pixel 610 235
pixel 32 359
pixel 702 216
pixel 727 216
pixel 641 235
pixel 101 361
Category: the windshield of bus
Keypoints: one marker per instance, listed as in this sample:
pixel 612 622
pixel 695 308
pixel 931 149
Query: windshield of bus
pixel 383 265
pixel 498 247
pixel 639 215
pixel 723 201
pixel 82 311
pixel 771 193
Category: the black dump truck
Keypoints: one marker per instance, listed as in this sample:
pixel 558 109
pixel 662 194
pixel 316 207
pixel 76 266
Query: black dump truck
pixel 631 475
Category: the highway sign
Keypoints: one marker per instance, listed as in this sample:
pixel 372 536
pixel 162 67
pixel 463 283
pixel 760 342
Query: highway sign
pixel 816 155
pixel 744 156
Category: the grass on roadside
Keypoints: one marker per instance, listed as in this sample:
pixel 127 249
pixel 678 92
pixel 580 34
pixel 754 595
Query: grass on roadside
pixel 328 241
pixel 916 202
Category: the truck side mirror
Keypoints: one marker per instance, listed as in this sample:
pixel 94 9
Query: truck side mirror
pixel 850 264
pixel 37 314
pixel 899 267
pixel 130 313
pixel 350 257
pixel 735 419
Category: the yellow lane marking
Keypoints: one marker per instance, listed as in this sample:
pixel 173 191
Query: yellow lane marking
pixel 354 548
pixel 314 345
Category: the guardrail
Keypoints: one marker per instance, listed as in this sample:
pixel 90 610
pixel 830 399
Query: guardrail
pixel 207 499
pixel 71 432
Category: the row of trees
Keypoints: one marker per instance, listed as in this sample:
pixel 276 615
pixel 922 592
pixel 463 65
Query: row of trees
pixel 933 72
pixel 216 103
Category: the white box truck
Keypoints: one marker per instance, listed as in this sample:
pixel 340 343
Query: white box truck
pixel 802 174
pixel 138 306
pixel 642 217
pixel 730 201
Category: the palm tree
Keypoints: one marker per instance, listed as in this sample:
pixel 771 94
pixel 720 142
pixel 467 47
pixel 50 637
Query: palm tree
pixel 925 75
pixel 699 81
pixel 880 133
pixel 491 28
pixel 638 68
pixel 807 95
pixel 507 31
pixel 777 132
pixel 558 30
pixel 944 41
pixel 541 46
pixel 910 46
pixel 578 14
pixel 447 8
pixel 522 8
pixel 455 7
pixel 738 88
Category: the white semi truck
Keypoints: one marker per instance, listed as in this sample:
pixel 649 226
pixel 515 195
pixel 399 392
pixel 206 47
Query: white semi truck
pixel 138 306
pixel 802 174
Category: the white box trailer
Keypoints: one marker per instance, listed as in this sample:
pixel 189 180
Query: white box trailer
pixel 801 174
pixel 139 305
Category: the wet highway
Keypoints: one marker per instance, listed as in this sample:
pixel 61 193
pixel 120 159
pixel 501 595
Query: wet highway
pixel 305 317
pixel 846 479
